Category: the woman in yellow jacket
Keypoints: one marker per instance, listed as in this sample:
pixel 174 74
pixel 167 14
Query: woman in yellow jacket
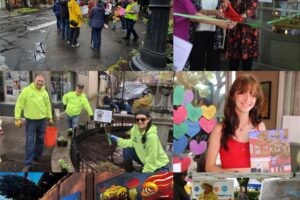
pixel 208 193
pixel 131 16
pixel 75 18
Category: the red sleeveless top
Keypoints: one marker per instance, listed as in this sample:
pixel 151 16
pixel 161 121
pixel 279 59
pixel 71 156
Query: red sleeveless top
pixel 237 156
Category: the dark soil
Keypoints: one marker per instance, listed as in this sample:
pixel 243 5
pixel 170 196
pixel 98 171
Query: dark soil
pixel 97 152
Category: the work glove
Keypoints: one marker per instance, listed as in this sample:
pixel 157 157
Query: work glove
pixel 51 123
pixel 18 123
pixel 92 117
pixel 114 138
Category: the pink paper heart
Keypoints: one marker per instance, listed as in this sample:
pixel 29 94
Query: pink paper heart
pixel 207 125
pixel 188 96
pixel 196 148
pixel 185 163
pixel 179 115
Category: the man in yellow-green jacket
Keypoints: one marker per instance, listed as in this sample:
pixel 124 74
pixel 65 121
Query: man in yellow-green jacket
pixel 35 103
pixel 74 102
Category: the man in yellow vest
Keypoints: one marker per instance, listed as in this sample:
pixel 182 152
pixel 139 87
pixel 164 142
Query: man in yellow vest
pixel 34 101
pixel 75 20
pixel 74 102
pixel 131 16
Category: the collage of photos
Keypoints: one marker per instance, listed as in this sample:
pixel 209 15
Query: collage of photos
pixel 149 100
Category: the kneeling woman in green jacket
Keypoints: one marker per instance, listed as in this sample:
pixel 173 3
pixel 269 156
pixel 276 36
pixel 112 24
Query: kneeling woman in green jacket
pixel 144 146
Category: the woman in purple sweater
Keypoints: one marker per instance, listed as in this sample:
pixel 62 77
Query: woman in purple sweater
pixel 181 24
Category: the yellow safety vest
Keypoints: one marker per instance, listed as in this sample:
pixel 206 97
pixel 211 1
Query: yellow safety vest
pixel 128 8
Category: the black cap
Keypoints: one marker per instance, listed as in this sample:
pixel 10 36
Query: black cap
pixel 80 86
pixel 142 112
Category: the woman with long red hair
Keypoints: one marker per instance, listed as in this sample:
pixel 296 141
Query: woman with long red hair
pixel 242 113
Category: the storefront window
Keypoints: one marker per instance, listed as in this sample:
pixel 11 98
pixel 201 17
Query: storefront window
pixel 208 88
pixel 289 10
pixel 14 82
pixel 279 31
pixel 61 83
pixel 281 16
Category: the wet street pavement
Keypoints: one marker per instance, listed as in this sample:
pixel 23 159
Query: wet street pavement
pixel 31 42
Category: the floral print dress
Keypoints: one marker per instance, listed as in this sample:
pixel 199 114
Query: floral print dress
pixel 242 40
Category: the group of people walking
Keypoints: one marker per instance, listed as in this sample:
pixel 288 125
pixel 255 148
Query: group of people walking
pixel 70 19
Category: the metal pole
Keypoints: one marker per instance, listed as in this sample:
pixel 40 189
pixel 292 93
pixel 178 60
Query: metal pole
pixel 153 56
pixel 98 91
pixel 123 73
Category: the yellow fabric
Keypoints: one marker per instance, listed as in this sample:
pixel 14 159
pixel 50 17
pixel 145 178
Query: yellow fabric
pixel 74 13
pixel 129 9
pixel 209 196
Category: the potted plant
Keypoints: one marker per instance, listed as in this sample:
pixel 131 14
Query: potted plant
pixel 65 167
pixel 70 132
pixel 61 141
pixel 82 126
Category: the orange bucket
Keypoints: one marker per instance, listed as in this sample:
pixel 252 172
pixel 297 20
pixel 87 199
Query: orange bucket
pixel 50 136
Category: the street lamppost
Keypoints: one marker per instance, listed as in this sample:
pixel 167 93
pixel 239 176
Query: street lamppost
pixel 153 55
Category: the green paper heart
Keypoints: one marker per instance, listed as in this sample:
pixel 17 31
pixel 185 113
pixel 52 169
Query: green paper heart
pixel 194 113
pixel 178 95
pixel 179 130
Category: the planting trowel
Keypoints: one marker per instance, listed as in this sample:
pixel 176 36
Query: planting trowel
pixel 107 130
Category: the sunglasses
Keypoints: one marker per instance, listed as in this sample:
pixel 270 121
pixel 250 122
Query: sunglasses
pixel 140 119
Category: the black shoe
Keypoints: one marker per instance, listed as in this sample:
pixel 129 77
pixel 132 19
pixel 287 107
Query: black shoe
pixel 128 166
pixel 135 39
pixel 125 38
pixel 36 159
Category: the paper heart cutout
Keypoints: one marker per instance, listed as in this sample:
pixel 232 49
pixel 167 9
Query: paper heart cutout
pixel 188 96
pixel 193 128
pixel 179 130
pixel 179 115
pixel 207 125
pixel 180 144
pixel 209 112
pixel 178 95
pixel 196 148
pixel 194 113
pixel 185 163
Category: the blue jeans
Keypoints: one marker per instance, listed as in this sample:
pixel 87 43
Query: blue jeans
pixel 58 22
pixel 73 121
pixel 35 130
pixel 129 154
pixel 65 29
pixel 74 34
pixel 96 38
pixel 130 28
pixel 123 22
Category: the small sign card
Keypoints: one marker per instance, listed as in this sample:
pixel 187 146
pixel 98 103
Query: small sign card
pixel 102 115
